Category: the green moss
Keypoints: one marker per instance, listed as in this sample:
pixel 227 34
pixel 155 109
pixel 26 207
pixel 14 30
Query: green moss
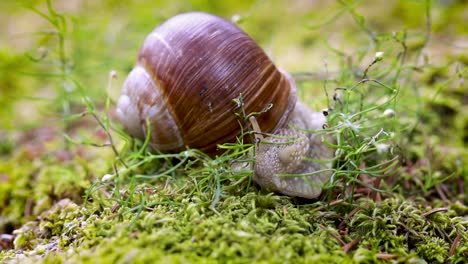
pixel 251 227
pixel 433 250
pixel 282 233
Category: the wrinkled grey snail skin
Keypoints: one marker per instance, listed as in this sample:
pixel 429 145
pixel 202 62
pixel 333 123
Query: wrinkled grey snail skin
pixel 294 151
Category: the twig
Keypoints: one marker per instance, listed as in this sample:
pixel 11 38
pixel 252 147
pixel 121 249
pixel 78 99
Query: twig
pixel 333 234
pixel 435 210
pixel 441 193
pixel 385 256
pixel 350 245
pixel 454 245
pixel 336 202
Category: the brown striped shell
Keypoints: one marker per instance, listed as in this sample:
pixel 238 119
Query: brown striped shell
pixel 189 70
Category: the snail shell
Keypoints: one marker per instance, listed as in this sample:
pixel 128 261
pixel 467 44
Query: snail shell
pixel 181 91
pixel 189 70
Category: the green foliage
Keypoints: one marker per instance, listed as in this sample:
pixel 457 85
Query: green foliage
pixel 12 85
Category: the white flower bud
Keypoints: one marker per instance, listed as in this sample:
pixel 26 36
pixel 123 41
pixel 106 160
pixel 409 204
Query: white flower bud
pixel 113 74
pixel 379 55
pixel 236 18
pixel 107 178
pixel 389 113
pixel 381 148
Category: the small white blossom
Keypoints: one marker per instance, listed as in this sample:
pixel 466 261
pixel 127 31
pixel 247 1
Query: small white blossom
pixel 113 74
pixel 381 148
pixel 107 178
pixel 236 18
pixel 389 113
pixel 379 55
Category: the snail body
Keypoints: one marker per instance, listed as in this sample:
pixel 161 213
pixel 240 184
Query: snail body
pixel 293 150
pixel 181 91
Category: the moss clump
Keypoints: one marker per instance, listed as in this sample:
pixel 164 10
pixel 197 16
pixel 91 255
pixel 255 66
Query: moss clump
pixel 403 228
pixel 252 227
pixel 434 250
pixel 243 230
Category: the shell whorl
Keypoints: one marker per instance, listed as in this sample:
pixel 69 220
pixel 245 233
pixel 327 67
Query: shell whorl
pixel 189 70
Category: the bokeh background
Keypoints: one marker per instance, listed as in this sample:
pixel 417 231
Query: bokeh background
pixel 300 36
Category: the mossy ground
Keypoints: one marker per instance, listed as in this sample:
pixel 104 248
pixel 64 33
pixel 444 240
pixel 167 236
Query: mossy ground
pixel 73 188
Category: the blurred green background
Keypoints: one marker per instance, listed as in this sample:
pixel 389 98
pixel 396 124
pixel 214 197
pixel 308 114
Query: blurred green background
pixel 100 36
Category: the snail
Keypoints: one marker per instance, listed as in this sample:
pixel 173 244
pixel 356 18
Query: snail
pixel 189 70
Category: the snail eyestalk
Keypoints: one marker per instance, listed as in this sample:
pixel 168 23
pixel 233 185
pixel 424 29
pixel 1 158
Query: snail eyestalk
pixel 256 128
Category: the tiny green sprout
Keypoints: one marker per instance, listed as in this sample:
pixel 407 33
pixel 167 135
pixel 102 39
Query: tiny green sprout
pixel 41 249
